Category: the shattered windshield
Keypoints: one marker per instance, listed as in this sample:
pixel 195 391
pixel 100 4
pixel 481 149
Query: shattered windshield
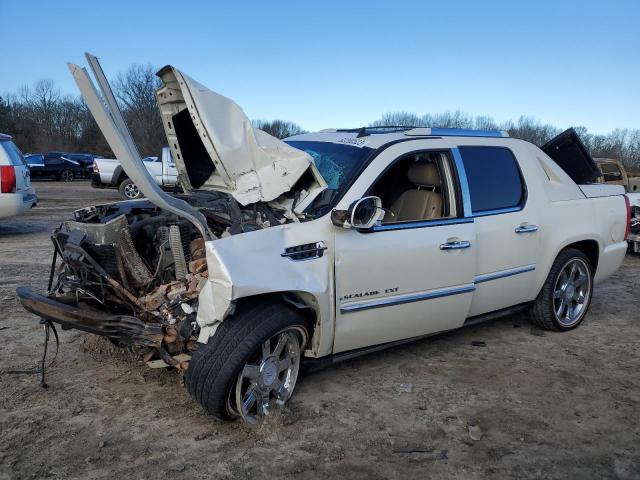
pixel 337 163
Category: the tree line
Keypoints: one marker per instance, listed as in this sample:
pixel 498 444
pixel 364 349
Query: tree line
pixel 621 144
pixel 42 119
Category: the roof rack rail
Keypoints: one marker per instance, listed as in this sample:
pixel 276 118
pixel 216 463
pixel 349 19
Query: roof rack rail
pixel 415 131
pixel 454 132
pixel 394 128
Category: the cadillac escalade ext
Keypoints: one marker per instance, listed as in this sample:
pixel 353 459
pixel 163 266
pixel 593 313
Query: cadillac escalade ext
pixel 322 246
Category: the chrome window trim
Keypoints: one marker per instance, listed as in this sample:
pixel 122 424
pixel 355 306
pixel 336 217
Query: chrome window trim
pixel 464 184
pixel 407 298
pixel 486 277
pixel 385 227
pixel 498 211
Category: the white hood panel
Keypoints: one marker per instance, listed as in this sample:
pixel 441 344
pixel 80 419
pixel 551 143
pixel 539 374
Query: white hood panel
pixel 107 115
pixel 249 164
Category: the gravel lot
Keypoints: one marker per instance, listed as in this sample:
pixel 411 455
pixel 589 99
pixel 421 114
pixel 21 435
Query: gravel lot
pixel 549 405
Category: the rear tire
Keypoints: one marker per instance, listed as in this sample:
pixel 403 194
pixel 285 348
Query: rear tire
pixel 129 190
pixel 66 176
pixel 565 297
pixel 215 374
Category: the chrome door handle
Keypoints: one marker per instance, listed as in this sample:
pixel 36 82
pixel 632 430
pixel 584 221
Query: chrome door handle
pixel 527 229
pixel 455 245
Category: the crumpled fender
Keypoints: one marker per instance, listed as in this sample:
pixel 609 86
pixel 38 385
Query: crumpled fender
pixel 251 264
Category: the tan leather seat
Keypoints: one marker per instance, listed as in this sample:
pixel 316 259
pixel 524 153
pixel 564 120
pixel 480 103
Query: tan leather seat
pixel 423 203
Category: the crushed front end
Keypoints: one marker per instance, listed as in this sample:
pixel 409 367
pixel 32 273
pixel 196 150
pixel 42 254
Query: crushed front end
pixel 133 272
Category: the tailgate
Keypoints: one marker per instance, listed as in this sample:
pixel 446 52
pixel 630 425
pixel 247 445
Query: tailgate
pixel 568 151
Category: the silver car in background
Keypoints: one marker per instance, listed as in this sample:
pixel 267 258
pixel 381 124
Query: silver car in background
pixel 16 193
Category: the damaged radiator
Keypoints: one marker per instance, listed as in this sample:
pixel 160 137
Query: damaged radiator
pixel 132 271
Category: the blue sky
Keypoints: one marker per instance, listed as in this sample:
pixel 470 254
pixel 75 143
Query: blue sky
pixel 343 64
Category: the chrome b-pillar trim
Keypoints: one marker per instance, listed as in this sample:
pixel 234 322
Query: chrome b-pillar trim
pixel 464 185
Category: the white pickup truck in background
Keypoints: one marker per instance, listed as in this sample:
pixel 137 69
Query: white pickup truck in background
pixel 110 174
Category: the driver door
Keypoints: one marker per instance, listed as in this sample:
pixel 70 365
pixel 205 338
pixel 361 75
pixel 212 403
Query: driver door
pixel 400 280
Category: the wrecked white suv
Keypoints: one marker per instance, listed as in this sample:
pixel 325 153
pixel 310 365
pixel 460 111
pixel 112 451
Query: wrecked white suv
pixel 324 246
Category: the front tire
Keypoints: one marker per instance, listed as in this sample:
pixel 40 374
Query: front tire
pixel 251 363
pixel 566 295
pixel 129 190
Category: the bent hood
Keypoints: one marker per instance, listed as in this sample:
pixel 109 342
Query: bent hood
pixel 216 147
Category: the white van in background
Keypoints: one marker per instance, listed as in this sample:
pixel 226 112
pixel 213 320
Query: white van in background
pixel 16 193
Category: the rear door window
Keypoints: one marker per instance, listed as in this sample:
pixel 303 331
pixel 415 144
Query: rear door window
pixel 494 179
pixel 15 155
pixel 34 159
pixel 53 161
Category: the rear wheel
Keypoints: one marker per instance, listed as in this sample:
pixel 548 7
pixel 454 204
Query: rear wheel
pixel 129 190
pixel 66 176
pixel 251 364
pixel 566 294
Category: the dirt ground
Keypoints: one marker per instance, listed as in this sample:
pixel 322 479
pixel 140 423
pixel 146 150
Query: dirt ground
pixel 549 405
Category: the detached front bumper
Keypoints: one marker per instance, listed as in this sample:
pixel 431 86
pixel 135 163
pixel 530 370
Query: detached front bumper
pixel 125 329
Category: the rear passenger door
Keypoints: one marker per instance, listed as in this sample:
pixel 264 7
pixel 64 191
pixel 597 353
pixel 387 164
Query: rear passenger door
pixel 506 224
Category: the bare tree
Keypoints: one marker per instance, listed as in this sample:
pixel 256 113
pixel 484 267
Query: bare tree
pixel 42 119
pixel 278 128
pixel 399 119
pixel 135 91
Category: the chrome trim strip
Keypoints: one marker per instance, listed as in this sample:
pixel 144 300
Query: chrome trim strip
pixel 408 225
pixel 485 277
pixel 445 292
pixel 464 184
pixel 497 211
pixel 407 298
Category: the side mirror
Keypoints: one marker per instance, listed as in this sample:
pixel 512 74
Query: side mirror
pixel 362 214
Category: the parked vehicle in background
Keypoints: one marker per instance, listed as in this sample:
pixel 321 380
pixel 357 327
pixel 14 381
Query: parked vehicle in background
pixel 323 246
pixel 16 193
pixel 634 227
pixel 614 173
pixel 109 173
pixel 55 166
pixel 84 159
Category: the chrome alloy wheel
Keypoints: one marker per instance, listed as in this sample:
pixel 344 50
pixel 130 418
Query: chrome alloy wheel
pixel 269 376
pixel 571 292
pixel 131 191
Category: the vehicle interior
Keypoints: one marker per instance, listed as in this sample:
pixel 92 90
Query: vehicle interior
pixel 417 187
